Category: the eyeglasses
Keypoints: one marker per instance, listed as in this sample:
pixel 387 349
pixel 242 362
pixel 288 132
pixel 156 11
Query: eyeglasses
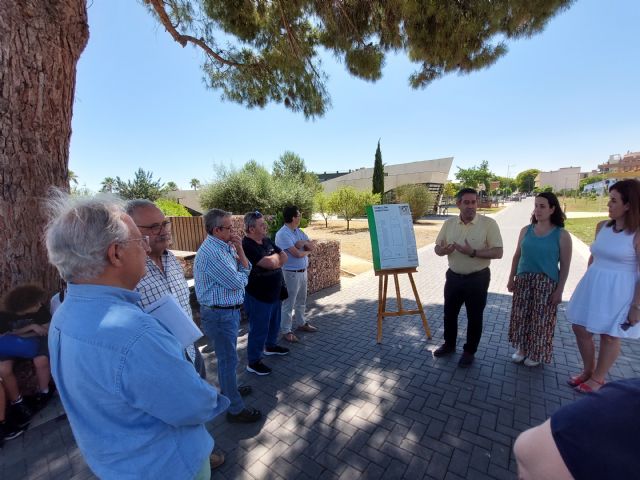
pixel 157 228
pixel 225 228
pixel 143 239
pixel 257 214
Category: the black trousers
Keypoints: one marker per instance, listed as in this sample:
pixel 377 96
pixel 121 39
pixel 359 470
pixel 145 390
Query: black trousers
pixel 470 290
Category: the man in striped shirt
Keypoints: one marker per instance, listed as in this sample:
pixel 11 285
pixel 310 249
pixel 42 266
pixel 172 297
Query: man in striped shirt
pixel 164 275
pixel 221 271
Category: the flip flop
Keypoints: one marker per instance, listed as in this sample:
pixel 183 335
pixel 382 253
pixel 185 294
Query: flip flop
pixel 579 379
pixel 584 388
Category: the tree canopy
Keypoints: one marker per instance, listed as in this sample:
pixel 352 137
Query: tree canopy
pixel 258 52
pixel 475 176
pixel 506 183
pixel 527 180
pixel 292 167
pixel 108 184
pixel 142 186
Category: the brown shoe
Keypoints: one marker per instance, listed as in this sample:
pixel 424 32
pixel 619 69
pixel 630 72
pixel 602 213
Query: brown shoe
pixel 290 337
pixel 216 459
pixel 307 328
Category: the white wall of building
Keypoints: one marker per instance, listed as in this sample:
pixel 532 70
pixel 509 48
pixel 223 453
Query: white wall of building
pixel 426 171
pixel 564 178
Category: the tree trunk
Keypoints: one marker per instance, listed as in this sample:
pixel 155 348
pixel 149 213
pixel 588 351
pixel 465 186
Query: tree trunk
pixel 41 42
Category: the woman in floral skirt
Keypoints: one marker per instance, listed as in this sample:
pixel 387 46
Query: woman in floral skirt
pixel 539 272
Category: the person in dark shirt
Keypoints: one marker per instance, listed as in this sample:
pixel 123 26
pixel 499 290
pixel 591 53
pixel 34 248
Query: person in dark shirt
pixel 263 293
pixel 29 320
pixel 593 438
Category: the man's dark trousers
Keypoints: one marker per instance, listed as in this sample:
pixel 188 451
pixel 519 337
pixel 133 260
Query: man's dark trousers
pixel 470 290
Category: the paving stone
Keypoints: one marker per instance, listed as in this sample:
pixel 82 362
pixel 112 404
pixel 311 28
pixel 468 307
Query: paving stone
pixel 438 466
pixel 373 471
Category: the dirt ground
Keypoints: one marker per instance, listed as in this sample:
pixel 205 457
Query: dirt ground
pixel 357 241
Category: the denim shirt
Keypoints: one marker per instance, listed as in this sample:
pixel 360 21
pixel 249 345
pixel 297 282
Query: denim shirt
pixel 137 408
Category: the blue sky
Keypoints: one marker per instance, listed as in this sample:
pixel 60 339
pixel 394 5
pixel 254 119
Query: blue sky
pixel 566 97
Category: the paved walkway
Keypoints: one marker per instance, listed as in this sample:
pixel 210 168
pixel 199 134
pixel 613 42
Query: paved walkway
pixel 341 406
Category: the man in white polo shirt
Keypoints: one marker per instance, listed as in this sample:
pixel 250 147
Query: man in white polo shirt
pixel 297 245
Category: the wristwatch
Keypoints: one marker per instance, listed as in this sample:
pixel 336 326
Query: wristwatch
pixel 473 254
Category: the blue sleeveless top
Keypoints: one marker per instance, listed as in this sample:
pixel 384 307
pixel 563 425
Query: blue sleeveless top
pixel 540 254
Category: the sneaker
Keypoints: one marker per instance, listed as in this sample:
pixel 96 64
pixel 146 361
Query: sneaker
pixel 215 460
pixel 307 328
pixel 443 350
pixel 9 431
pixel 466 360
pixel 518 357
pixel 20 414
pixel 276 350
pixel 247 415
pixel 38 401
pixel 258 368
pixel 531 363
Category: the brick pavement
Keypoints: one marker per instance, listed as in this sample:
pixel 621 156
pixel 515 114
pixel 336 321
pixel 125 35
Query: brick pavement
pixel 341 406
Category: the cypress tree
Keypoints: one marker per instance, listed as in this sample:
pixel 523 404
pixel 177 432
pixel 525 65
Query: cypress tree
pixel 378 173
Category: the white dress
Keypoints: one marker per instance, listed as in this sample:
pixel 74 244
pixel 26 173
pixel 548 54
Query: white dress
pixel 602 299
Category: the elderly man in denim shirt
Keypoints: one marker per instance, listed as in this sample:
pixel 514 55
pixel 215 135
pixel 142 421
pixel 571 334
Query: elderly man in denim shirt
pixel 136 406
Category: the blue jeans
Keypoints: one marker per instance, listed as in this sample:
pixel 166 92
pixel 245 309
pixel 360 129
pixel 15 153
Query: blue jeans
pixel 221 326
pixel 264 325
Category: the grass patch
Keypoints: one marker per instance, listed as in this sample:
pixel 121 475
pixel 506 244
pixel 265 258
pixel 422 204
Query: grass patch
pixel 357 241
pixel 584 228
pixel 584 204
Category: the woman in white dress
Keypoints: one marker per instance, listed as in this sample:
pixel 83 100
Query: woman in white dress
pixel 607 299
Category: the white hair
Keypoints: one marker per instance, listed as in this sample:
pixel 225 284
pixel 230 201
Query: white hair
pixel 80 231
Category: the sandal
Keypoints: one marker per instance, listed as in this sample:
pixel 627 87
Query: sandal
pixel 579 379
pixel 584 388
pixel 291 338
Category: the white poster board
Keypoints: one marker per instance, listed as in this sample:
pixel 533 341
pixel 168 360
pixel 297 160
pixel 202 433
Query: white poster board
pixel 393 241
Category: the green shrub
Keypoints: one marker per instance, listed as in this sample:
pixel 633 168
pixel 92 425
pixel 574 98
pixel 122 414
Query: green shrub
pixel 253 188
pixel 171 208
pixel 240 191
pixel 418 197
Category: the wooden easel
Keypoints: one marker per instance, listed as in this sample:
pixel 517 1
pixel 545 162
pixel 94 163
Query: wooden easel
pixel 382 298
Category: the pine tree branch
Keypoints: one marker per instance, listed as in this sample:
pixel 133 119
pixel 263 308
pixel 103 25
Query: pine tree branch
pixel 292 38
pixel 158 7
